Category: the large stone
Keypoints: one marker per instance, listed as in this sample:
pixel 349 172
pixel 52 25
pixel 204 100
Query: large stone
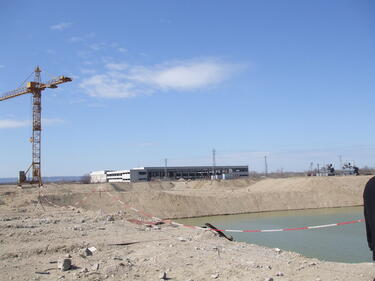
pixel 86 252
pixel 64 264
pixel 163 276
pixel 110 218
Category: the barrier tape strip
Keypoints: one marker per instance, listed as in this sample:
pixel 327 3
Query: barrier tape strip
pixel 115 198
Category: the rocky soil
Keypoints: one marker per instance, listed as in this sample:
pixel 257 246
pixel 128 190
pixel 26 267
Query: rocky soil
pixel 87 231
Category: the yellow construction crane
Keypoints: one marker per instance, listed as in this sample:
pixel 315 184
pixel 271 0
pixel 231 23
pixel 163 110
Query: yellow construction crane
pixel 35 88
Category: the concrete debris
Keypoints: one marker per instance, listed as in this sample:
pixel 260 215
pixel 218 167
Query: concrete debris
pixel 64 264
pixel 110 218
pixel 268 279
pixel 85 252
pixel 182 239
pixel 42 272
pixel 92 249
pixel 163 276
pixel 95 267
pixel 277 250
pixel 279 274
pixel 215 275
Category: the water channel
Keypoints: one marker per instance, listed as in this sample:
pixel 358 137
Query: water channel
pixel 346 243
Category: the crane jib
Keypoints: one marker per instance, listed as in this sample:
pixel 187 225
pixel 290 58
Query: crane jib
pixel 32 86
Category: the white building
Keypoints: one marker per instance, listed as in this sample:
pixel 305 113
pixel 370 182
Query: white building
pixel 170 173
pixel 98 176
pixel 118 176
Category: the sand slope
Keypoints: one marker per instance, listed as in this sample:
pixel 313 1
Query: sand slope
pixel 202 198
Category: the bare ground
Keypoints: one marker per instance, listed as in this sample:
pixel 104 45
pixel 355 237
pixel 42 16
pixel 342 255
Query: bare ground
pixel 33 236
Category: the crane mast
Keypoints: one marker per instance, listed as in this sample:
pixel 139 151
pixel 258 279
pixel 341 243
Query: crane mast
pixel 35 88
pixel 37 131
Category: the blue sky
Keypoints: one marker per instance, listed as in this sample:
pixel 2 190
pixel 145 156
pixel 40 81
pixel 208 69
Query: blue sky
pixel 292 80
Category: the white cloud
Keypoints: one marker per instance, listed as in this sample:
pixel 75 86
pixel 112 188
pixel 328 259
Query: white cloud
pixel 51 121
pixel 75 39
pixel 117 66
pixel 87 71
pixel 122 80
pixel 61 26
pixel 13 124
pixel 97 46
pixel 122 50
pixel 108 86
pixel 183 75
pixel 82 38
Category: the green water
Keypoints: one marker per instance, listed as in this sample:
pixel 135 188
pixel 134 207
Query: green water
pixel 345 243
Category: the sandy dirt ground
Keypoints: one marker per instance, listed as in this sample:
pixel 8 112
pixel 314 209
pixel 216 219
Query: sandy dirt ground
pixel 72 218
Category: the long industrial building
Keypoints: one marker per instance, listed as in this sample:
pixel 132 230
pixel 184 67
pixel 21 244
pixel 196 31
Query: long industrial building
pixel 170 173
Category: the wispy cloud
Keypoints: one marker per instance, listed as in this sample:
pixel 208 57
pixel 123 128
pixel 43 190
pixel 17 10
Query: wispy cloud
pixel 13 124
pixel 82 38
pixel 121 80
pixel 103 45
pixel 97 46
pixel 122 50
pixel 75 39
pixel 61 26
pixel 52 121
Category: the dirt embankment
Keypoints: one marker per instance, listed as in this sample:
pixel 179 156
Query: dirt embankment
pixel 205 198
pixel 34 237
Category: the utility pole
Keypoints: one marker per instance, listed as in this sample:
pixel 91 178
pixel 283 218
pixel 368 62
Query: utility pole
pixel 165 168
pixel 340 157
pixel 265 166
pixel 213 163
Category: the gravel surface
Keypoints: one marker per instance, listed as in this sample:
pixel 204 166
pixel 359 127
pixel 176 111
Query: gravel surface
pixel 91 239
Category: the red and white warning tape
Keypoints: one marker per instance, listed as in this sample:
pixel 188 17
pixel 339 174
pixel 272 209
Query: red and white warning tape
pixel 115 198
pixel 297 228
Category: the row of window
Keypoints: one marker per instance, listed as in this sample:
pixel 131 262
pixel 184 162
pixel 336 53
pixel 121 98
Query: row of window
pixel 117 174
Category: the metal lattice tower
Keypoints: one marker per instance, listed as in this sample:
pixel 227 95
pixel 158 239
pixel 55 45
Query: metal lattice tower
pixel 37 130
pixel 35 88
